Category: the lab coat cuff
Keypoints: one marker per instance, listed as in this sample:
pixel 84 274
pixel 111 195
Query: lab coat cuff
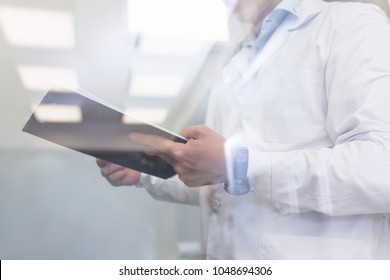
pixel 260 173
pixel 147 182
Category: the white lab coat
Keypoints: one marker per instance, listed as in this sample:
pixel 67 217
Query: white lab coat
pixel 314 112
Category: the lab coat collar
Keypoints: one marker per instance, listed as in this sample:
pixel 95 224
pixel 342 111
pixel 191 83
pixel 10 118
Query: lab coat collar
pixel 304 11
pixel 292 7
pixel 300 12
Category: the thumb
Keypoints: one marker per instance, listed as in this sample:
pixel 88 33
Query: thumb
pixel 193 132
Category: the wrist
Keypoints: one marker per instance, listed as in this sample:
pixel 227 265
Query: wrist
pixel 238 181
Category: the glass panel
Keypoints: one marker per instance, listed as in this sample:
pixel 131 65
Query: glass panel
pixel 54 202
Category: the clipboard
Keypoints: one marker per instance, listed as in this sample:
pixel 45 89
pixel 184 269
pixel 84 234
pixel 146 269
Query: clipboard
pixel 98 130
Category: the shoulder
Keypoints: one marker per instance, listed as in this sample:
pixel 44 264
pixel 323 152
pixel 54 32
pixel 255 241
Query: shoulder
pixel 359 28
pixel 352 13
pixel 349 19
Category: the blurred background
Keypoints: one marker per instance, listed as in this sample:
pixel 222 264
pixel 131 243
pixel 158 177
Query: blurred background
pixel 153 58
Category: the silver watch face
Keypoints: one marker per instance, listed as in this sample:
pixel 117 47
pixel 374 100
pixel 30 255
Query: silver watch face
pixel 238 183
pixel 237 187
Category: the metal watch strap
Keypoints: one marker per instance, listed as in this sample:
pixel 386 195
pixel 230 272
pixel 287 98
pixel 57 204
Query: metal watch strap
pixel 238 184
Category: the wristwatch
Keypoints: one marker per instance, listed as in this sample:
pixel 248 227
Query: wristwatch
pixel 238 184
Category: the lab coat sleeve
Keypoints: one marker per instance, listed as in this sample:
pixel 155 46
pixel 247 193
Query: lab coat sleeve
pixel 353 175
pixel 170 190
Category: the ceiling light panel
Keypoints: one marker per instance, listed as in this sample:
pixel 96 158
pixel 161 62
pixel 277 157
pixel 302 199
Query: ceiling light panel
pixel 37 28
pixel 41 78
pixel 200 19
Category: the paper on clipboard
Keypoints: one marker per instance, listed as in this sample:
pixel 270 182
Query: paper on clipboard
pixel 98 130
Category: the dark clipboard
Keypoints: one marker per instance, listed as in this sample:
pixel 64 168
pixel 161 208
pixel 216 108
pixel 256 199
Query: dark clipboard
pixel 100 132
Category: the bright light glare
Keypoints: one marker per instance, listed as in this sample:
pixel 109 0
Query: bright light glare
pixel 58 113
pixel 37 28
pixel 230 4
pixel 39 78
pixel 155 44
pixel 200 19
pixel 148 114
pixel 156 85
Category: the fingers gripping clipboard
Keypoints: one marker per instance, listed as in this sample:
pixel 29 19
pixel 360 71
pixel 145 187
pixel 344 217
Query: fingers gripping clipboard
pixel 99 130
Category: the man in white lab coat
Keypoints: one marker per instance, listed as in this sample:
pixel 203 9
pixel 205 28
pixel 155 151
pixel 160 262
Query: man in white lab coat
pixel 296 151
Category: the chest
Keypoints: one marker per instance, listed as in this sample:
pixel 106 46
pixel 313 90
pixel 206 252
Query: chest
pixel 284 98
